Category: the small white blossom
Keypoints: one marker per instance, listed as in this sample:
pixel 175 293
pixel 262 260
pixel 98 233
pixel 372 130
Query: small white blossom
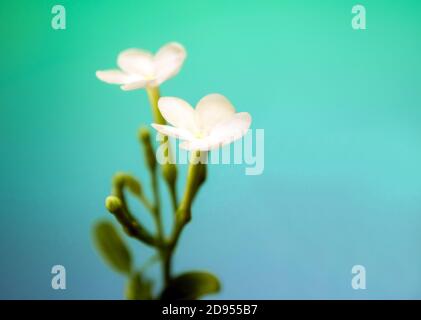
pixel 212 124
pixel 140 69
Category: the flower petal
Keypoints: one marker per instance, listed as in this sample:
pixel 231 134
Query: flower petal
pixel 199 145
pixel 231 130
pixel 178 133
pixel 136 61
pixel 114 76
pixel 222 134
pixel 134 85
pixel 178 112
pixel 212 110
pixel 168 61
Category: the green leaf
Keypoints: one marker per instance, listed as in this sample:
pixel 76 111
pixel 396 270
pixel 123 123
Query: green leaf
pixel 112 247
pixel 191 285
pixel 138 288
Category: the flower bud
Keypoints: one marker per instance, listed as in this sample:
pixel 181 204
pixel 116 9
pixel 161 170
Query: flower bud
pixel 169 172
pixel 144 134
pixel 113 204
pixel 145 139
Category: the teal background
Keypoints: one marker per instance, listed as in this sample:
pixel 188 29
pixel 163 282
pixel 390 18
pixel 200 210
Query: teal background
pixel 341 114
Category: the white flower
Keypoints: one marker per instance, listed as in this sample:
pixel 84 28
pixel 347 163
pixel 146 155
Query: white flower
pixel 140 69
pixel 212 124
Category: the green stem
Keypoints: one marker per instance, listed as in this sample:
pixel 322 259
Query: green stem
pixel 173 194
pixel 157 207
pixel 169 170
pixel 170 173
pixel 153 95
pixel 195 177
pixel 166 256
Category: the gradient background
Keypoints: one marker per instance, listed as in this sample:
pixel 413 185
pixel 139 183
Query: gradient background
pixel 341 110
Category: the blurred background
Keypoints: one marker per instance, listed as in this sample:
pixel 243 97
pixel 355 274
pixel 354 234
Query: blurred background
pixel 341 110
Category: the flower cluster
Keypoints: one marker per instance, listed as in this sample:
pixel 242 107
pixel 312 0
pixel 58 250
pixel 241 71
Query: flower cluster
pixel 212 124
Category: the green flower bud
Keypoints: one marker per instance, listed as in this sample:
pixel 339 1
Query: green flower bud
pixel 113 204
pixel 144 135
pixel 145 139
pixel 169 172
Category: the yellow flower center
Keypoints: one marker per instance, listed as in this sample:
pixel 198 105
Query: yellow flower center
pixel 199 135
